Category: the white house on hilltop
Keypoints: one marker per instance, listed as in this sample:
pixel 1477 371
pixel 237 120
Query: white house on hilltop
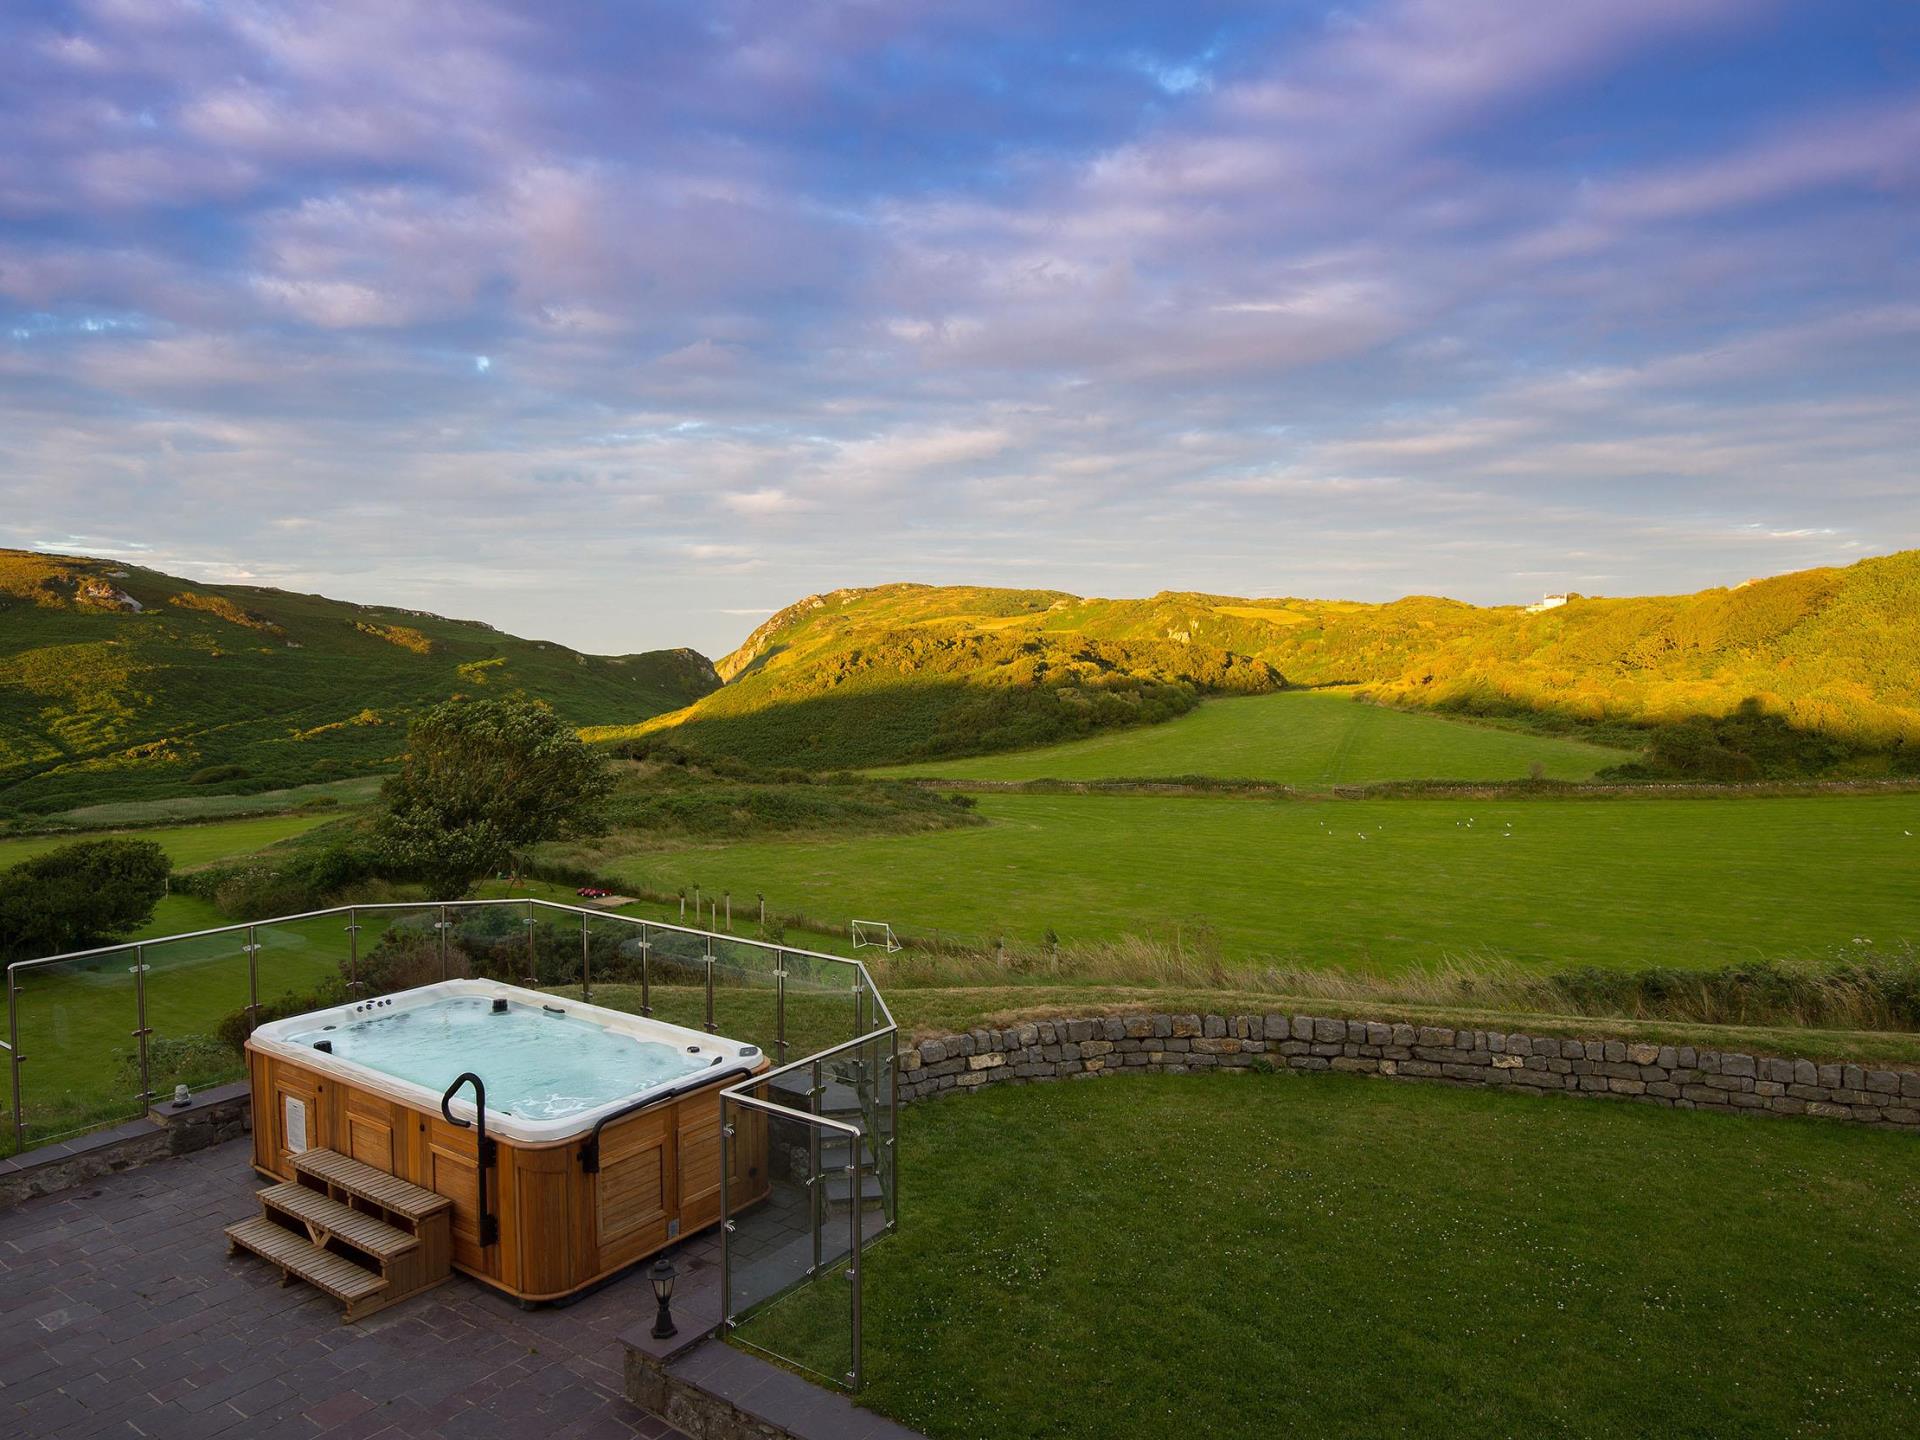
pixel 1547 602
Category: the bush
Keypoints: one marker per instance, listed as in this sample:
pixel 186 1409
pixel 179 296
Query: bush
pixel 492 943
pixel 215 774
pixel 79 896
pixel 407 955
pixel 233 1028
pixel 296 880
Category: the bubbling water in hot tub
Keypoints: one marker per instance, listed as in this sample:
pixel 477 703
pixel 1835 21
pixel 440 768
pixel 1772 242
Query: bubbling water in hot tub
pixel 537 1064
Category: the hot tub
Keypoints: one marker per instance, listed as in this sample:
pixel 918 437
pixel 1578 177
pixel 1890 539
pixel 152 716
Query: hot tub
pixel 603 1128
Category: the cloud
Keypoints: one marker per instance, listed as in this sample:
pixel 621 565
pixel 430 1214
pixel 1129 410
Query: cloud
pixel 608 324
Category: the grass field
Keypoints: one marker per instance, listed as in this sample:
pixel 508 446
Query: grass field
pixel 1369 885
pixel 187 845
pixel 1302 737
pixel 1342 1256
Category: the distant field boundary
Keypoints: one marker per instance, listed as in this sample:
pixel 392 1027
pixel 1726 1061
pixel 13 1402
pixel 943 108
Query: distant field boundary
pixel 1429 789
pixel 173 822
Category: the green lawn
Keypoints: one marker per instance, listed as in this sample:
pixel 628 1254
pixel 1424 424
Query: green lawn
pixel 1334 1256
pixel 1300 737
pixel 1368 885
pixel 189 845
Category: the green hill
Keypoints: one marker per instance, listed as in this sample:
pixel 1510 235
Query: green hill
pixel 122 683
pixel 1801 673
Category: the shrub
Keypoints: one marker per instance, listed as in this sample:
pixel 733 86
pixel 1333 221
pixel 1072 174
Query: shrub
pixel 80 896
pixel 289 882
pixel 232 1029
pixel 215 774
pixel 407 955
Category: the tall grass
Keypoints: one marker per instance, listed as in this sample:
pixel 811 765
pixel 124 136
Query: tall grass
pixel 1862 989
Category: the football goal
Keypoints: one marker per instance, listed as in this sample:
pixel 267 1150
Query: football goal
pixel 874 932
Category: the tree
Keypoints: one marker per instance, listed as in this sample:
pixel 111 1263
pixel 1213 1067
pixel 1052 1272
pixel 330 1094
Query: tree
pixel 481 780
pixel 80 896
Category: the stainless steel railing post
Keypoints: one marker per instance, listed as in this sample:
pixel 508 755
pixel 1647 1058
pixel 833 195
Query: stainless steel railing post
pixel 646 968
pixel 353 951
pixel 893 1133
pixel 726 1218
pixel 711 1027
pixel 859 1052
pixel 853 1262
pixel 780 1004
pixel 140 1020
pixel 814 1189
pixel 13 1061
pixel 586 972
pixel 440 928
pixel 253 979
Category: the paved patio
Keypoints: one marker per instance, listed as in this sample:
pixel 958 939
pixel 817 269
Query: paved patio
pixel 121 1314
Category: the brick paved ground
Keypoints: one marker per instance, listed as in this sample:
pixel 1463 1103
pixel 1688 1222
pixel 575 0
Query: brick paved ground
pixel 121 1314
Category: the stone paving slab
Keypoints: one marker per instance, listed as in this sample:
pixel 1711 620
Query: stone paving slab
pixel 121 1314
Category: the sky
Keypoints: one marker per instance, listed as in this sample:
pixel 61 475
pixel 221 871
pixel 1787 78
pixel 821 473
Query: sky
pixel 625 325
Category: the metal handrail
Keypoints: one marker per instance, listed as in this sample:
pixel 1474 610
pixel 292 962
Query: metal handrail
pixel 589 1155
pixel 484 1149
pixel 560 905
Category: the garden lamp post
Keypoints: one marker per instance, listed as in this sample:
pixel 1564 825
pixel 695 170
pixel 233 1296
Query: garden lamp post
pixel 662 1277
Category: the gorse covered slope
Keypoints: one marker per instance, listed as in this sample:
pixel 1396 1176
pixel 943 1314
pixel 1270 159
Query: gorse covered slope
pixel 120 682
pixel 910 671
pixel 1797 673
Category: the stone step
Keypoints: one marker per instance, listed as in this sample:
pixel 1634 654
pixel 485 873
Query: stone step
pixel 837 1189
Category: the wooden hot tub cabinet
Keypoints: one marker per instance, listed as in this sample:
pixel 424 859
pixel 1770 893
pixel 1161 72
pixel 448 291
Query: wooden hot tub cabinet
pixel 562 1228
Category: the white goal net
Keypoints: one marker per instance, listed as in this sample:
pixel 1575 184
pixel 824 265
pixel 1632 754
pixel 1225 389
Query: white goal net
pixel 874 932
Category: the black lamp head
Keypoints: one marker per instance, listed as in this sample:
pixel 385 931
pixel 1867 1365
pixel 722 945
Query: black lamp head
pixel 661 1277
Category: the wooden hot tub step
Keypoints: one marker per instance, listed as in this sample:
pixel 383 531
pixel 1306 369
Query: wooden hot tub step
pixel 363 1182
pixel 328 1219
pixel 355 1287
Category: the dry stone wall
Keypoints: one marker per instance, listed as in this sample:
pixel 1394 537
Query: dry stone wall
pixel 1684 1077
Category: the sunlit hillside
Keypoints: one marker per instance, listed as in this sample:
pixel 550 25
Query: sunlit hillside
pixel 1818 666
pixel 118 682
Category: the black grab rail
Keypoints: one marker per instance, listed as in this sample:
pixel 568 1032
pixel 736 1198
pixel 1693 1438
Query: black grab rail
pixel 590 1151
pixel 486 1150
